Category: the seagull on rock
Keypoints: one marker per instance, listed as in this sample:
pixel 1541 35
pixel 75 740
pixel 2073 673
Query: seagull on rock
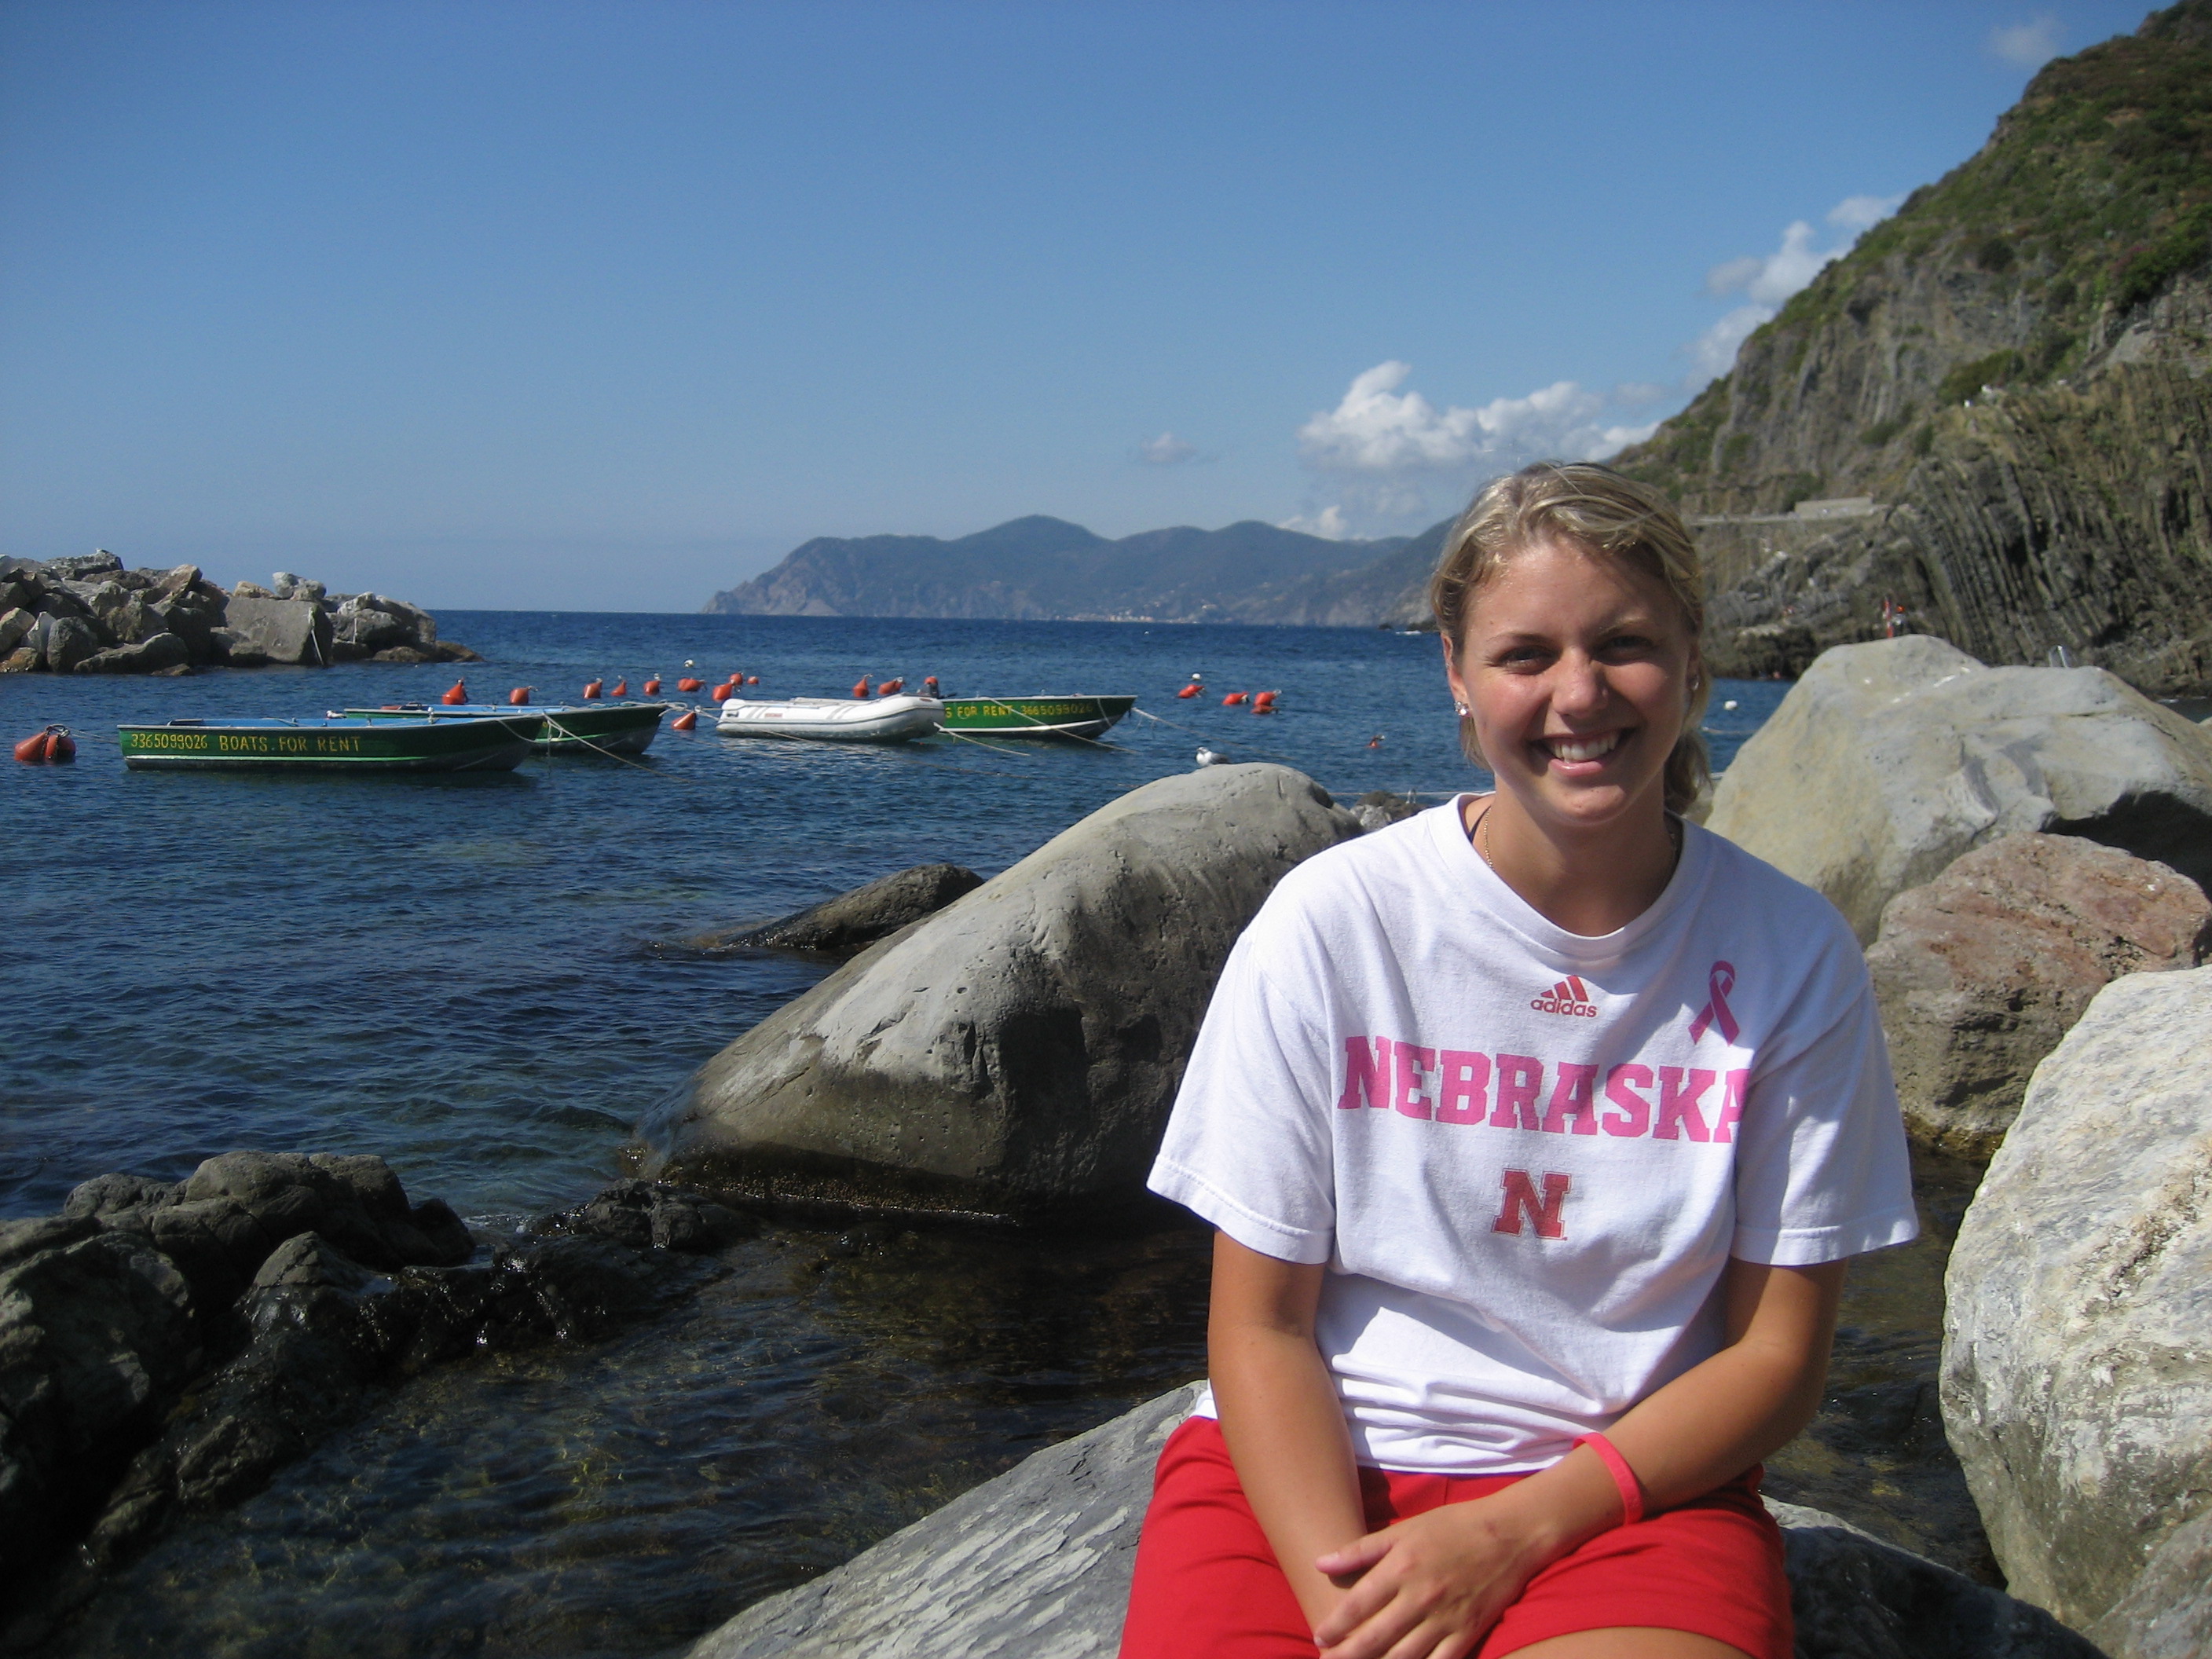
pixel 1208 757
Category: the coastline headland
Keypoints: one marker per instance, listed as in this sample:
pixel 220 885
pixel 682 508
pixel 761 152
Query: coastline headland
pixel 89 615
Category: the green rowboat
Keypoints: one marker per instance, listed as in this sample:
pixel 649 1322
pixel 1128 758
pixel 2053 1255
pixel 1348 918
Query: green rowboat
pixel 619 728
pixel 333 743
pixel 1035 717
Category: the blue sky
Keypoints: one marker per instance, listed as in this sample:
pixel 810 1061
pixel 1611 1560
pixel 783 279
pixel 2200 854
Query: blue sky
pixel 607 306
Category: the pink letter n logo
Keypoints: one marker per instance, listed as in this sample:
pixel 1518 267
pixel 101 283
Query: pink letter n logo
pixel 1521 1199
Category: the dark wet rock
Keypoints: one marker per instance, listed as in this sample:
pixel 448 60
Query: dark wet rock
pixel 849 923
pixel 105 1194
pixel 19 1239
pixel 153 656
pixel 1038 1562
pixel 1016 1052
pixel 1981 971
pixel 646 1215
pixel 95 1338
pixel 1378 809
pixel 2077 1341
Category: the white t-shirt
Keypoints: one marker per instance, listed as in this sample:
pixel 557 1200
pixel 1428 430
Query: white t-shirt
pixel 1527 1155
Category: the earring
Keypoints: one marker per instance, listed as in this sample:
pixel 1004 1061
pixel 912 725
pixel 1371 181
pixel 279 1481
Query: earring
pixel 1460 709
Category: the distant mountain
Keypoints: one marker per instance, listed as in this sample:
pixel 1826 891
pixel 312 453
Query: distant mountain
pixel 1040 568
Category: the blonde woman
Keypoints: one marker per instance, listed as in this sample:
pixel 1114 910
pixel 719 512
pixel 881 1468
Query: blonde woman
pixel 1536 1131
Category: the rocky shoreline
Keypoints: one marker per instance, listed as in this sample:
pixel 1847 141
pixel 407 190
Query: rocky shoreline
pixel 89 615
pixel 2022 849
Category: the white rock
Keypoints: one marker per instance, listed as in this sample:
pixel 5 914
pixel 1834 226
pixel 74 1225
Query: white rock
pixel 2077 1351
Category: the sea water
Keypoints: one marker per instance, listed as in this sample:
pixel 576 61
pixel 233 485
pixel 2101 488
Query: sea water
pixel 457 974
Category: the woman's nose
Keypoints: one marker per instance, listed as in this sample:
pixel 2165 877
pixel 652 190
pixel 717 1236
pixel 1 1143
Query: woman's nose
pixel 1579 683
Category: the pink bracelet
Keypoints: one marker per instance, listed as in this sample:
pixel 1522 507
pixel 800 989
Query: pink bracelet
pixel 1631 1494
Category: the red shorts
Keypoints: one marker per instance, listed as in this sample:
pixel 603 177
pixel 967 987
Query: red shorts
pixel 1207 1586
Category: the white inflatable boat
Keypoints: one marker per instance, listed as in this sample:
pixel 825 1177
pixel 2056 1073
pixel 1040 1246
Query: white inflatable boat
pixel 832 719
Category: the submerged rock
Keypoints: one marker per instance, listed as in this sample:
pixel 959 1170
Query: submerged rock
pixel 2077 1345
pixel 1982 970
pixel 1017 1051
pixel 1037 1564
pixel 850 922
pixel 1889 760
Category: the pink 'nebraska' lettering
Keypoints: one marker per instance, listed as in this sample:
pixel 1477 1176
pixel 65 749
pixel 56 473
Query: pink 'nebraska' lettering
pixel 1732 1093
pixel 1678 1106
pixel 1572 1098
pixel 1520 1078
pixel 1406 1093
pixel 1520 1200
pixel 1366 1070
pixel 1462 1093
pixel 1621 1084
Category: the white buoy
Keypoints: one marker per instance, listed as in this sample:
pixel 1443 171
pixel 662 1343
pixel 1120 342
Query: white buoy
pixel 1730 703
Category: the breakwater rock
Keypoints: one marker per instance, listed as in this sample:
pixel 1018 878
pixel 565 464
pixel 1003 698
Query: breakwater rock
pixel 1981 971
pixel 2077 1350
pixel 1016 1052
pixel 91 616
pixel 1036 1563
pixel 166 1347
pixel 1890 759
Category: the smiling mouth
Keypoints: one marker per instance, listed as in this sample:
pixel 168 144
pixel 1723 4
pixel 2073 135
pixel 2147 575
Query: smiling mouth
pixel 1591 748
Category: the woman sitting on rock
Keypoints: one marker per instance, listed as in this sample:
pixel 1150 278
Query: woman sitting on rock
pixel 1536 1129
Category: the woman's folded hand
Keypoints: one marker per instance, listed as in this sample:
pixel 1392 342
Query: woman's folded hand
pixel 1429 1586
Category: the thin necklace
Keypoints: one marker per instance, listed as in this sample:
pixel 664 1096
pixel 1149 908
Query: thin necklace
pixel 1674 841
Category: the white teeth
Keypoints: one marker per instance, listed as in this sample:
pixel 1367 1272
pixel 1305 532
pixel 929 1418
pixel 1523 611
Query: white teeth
pixel 1583 749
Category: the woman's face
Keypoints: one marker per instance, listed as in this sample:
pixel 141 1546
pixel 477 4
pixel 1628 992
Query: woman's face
pixel 1576 670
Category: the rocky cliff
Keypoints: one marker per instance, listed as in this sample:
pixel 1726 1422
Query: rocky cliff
pixel 2014 365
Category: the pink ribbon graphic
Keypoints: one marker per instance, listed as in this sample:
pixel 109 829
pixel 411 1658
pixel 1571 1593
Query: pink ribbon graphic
pixel 1716 1014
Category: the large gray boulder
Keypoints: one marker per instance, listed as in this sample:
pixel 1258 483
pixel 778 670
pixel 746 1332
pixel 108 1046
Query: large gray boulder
pixel 1019 1050
pixel 1889 760
pixel 1982 969
pixel 1036 1564
pixel 281 631
pixel 2077 1349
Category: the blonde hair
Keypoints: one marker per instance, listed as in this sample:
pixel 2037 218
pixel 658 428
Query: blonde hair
pixel 1607 516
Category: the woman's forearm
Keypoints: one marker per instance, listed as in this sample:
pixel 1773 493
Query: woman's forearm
pixel 1285 1431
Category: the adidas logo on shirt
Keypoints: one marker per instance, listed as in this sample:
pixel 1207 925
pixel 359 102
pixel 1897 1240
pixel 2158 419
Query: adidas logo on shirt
pixel 1569 996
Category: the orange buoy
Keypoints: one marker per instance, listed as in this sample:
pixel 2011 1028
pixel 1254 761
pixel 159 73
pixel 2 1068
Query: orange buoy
pixel 622 688
pixel 752 679
pixel 891 686
pixel 60 746
pixel 519 695
pixel 724 692
pixel 456 695
pixel 687 683
pixel 1190 691
pixel 1265 699
pixel 861 686
pixel 593 689
pixel 686 720
pixel 53 744
pixel 1232 700
pixel 652 686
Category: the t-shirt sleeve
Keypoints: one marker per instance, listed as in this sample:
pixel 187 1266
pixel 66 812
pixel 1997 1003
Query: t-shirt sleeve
pixel 1248 1144
pixel 1821 1168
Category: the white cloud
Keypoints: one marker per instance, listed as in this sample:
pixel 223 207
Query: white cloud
pixel 1858 213
pixel 1712 353
pixel 2028 45
pixel 1373 428
pixel 1166 450
pixel 1329 524
pixel 1770 279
